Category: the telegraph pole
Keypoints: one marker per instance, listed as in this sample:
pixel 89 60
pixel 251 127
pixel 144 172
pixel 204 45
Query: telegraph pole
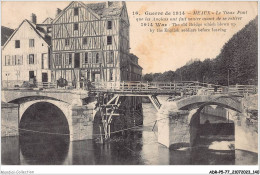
pixel 228 78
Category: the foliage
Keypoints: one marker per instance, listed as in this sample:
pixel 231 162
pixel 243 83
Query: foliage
pixel 237 62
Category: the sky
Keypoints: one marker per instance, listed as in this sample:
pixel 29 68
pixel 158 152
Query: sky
pixel 157 52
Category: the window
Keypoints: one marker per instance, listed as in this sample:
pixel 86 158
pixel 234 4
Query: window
pixel 67 42
pixel 109 24
pixel 97 57
pixel 111 75
pixel 85 40
pixel 18 59
pixel 31 42
pixel 109 40
pixel 90 57
pixel 110 57
pixel 57 60
pixel 68 59
pixel 86 58
pixel 7 60
pixel 31 58
pixel 76 26
pixel 17 43
pixel 76 11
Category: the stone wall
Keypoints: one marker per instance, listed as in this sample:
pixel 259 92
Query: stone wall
pixel 246 133
pixel 9 119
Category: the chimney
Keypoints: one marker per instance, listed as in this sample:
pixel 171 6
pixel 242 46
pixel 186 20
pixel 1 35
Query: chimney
pixel 58 11
pixel 33 18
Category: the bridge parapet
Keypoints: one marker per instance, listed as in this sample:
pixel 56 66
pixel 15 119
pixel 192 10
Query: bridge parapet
pixel 69 96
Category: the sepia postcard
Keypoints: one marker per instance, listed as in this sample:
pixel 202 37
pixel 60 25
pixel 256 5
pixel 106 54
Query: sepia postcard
pixel 129 83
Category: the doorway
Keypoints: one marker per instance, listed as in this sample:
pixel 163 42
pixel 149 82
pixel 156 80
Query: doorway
pixel 31 74
pixel 44 77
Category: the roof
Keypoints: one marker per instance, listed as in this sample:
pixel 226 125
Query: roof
pixel 99 10
pixel 106 9
pixel 47 21
pixel 5 34
pixel 38 30
pixel 41 32
pixel 131 55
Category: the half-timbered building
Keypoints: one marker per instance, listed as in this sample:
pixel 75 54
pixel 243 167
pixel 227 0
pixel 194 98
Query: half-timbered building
pixel 26 54
pixel 91 41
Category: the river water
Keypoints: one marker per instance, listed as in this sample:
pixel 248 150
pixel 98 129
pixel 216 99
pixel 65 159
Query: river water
pixel 138 147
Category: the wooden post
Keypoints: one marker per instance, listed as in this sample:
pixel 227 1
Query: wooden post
pixel 108 130
pixel 101 137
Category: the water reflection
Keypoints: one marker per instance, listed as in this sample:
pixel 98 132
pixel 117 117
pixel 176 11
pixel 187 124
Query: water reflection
pixel 10 151
pixel 42 149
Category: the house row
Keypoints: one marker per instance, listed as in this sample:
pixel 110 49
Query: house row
pixel 87 41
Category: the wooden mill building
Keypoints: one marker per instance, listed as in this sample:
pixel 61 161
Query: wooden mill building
pixel 91 41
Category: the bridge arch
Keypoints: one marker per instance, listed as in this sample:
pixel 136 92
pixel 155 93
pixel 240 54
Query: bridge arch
pixel 195 105
pixel 62 106
pixel 198 102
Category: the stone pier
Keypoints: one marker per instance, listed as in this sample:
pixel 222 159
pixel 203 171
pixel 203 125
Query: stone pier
pixel 9 119
pixel 177 128
pixel 82 118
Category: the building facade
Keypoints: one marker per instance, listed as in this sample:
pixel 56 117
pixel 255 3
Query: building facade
pixel 91 41
pixel 26 55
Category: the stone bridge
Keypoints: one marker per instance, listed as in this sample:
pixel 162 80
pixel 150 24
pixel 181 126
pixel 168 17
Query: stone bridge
pixel 79 117
pixel 179 121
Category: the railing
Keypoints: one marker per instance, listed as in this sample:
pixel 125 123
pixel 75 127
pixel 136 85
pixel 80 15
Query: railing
pixel 184 87
pixel 46 85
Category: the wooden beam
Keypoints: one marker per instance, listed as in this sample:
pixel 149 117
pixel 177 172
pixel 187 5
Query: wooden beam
pixel 110 101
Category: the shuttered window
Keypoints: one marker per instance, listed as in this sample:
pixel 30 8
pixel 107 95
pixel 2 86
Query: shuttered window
pixel 109 40
pixel 31 42
pixel 58 59
pixel 68 59
pixel 7 60
pixel 31 59
pixel 19 59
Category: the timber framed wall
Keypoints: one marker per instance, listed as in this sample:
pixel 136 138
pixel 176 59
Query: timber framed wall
pixel 92 46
